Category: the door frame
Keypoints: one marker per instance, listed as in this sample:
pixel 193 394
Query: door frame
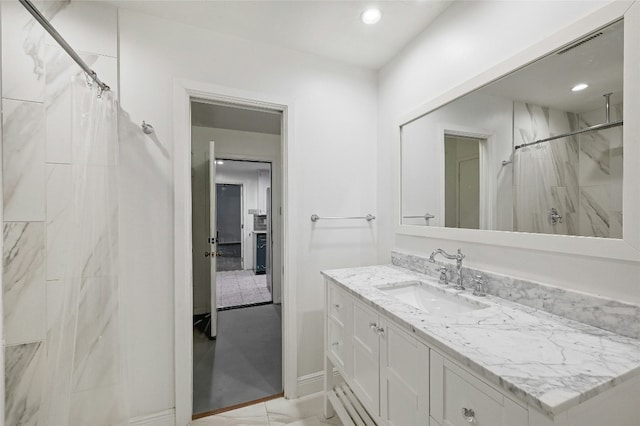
pixel 183 92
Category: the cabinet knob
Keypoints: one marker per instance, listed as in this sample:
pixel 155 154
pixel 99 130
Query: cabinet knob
pixel 373 325
pixel 337 306
pixel 380 331
pixel 469 415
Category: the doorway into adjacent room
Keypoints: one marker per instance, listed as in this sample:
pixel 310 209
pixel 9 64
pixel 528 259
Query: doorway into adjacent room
pixel 243 273
pixel 237 255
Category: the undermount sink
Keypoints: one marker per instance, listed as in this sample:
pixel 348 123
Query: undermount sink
pixel 431 300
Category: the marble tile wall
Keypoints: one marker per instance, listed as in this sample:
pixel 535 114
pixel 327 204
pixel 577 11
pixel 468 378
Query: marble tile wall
pixel 581 175
pixel 607 314
pixel 36 172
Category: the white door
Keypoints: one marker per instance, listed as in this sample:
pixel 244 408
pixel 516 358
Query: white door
pixel 213 238
pixel 269 269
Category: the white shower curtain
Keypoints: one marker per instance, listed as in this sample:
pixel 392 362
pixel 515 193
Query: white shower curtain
pixel 86 381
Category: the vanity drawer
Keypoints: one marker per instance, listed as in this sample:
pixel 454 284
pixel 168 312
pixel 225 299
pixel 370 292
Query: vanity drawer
pixel 338 304
pixel 460 399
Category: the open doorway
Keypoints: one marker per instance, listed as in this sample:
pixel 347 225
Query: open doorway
pixel 237 256
pixel 242 266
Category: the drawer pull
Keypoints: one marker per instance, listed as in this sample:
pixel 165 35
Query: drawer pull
pixel 335 344
pixel 469 415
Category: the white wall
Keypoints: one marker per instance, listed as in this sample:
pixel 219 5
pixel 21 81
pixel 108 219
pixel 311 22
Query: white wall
pixel 335 163
pixel 468 38
pixel 423 151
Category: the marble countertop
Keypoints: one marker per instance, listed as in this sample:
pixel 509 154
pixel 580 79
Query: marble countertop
pixel 544 360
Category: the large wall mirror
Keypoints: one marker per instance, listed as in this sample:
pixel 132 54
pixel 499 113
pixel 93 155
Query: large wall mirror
pixel 539 150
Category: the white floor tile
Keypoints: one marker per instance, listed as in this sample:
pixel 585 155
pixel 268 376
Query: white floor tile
pixel 283 412
pixel 241 288
pixel 305 411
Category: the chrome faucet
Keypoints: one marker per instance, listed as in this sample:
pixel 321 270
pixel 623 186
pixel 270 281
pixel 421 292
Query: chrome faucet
pixel 458 257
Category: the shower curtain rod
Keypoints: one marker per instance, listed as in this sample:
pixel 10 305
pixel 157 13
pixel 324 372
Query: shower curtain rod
pixel 577 132
pixel 606 125
pixel 62 42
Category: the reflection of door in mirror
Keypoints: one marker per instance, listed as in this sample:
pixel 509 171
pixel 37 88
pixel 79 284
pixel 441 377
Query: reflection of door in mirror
pixel 462 182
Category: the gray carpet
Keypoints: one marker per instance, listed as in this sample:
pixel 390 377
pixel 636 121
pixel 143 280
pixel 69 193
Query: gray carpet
pixel 243 364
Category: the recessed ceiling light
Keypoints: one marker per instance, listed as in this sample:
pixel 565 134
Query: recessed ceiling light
pixel 579 87
pixel 371 16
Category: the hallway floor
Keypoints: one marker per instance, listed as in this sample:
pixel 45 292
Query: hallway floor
pixel 237 288
pixel 243 364
pixel 305 411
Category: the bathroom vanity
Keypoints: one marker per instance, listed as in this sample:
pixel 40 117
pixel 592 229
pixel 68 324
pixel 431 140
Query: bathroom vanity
pixel 411 351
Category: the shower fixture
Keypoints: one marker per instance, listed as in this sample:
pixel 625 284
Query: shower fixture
pixel 147 128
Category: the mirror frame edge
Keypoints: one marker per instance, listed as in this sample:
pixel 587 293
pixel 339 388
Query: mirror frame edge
pixel 625 249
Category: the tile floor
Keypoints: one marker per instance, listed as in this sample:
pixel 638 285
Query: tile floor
pixel 305 411
pixel 237 288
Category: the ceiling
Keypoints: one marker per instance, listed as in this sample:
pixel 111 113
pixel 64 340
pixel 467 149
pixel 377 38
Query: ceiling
pixel 331 29
pixel 548 81
pixel 205 114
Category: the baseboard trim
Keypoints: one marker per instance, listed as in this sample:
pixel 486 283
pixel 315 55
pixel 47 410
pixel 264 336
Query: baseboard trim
pixel 312 383
pixel 161 418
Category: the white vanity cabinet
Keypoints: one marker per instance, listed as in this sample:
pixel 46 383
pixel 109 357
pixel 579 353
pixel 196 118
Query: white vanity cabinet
pixel 458 398
pixel 396 375
pixel 386 368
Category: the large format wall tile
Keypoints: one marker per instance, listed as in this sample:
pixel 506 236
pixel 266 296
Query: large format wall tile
pixel 23 282
pixel 96 351
pixel 59 198
pixel 88 27
pixel 594 207
pixel 22 54
pixel 60 72
pixel 23 163
pixel 23 383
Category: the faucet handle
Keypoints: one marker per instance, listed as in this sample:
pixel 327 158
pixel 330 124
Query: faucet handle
pixel 444 277
pixel 479 286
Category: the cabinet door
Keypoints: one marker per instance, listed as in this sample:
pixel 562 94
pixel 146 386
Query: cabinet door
pixel 404 378
pixel 365 357
pixel 336 345
pixel 339 311
pixel 459 399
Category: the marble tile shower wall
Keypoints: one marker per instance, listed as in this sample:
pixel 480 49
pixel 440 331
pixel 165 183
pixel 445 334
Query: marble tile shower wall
pixel 581 176
pixel 36 168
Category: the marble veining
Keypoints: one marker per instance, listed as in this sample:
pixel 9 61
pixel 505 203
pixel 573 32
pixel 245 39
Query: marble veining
pixel 23 383
pixel 550 362
pixel 612 315
pixel 23 282
pixel 23 168
pixel 567 173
